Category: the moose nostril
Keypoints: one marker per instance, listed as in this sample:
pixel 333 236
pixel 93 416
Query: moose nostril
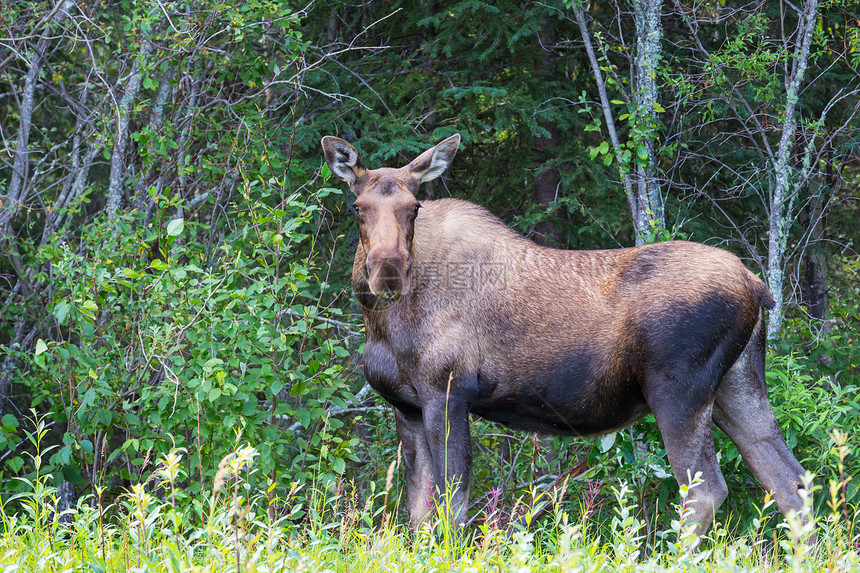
pixel 389 294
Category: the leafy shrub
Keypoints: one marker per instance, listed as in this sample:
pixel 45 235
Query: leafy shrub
pixel 163 338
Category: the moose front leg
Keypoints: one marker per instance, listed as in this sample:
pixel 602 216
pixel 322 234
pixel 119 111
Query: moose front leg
pixel 419 465
pixel 446 421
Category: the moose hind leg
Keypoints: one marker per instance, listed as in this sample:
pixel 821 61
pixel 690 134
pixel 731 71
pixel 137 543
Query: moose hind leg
pixel 743 412
pixel 685 425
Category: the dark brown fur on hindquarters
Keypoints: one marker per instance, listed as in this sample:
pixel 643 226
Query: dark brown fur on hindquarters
pixel 463 315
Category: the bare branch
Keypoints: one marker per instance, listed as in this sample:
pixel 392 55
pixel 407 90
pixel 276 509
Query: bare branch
pixel 604 102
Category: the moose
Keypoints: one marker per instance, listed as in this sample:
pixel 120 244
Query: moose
pixel 463 315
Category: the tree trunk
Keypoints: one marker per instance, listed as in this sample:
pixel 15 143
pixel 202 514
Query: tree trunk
pixel 783 191
pixel 21 343
pixel 815 257
pixel 632 199
pixel 645 200
pixel 76 179
pixel 547 183
pixel 648 32
pixel 11 202
pixel 156 125
pixel 66 500
pixel 547 186
pixel 185 151
pixel 123 117
pixel 815 260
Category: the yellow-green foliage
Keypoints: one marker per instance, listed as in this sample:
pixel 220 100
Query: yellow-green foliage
pixel 234 528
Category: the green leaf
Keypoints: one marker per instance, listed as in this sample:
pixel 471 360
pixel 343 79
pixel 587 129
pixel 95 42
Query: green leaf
pixel 606 442
pixel 277 386
pixel 64 455
pixel 175 227
pixel 89 308
pixel 158 265
pixel 61 312
pixel 99 565
pixel 41 347
pixel 15 464
pixel 341 351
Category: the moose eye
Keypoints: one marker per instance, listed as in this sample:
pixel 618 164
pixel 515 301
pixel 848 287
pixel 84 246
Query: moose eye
pixel 415 212
pixel 357 209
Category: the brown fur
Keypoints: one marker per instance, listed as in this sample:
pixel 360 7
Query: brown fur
pixel 467 316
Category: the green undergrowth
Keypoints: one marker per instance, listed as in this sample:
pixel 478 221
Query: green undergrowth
pixel 158 526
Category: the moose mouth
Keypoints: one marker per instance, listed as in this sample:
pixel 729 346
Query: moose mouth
pixel 387 281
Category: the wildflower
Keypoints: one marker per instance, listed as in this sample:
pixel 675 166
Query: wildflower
pixel 141 500
pixel 232 464
pixel 170 466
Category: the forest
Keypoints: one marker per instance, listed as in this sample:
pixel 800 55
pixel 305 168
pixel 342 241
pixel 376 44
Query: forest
pixel 180 345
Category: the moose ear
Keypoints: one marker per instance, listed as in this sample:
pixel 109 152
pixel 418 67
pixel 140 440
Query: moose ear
pixel 433 162
pixel 342 159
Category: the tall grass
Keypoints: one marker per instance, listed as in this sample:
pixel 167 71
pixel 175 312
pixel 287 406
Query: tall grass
pixel 157 527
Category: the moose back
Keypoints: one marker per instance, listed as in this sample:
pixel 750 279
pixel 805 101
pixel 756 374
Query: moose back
pixel 465 316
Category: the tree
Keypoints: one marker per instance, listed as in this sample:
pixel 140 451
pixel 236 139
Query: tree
pixel 639 172
pixel 744 101
pixel 786 184
pixel 11 202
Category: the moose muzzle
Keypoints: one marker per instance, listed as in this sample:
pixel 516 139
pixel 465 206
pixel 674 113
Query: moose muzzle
pixel 389 274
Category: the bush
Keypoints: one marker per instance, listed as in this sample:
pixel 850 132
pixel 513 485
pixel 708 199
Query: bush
pixel 162 338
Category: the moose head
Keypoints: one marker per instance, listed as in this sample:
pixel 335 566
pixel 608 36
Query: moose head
pixel 386 208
